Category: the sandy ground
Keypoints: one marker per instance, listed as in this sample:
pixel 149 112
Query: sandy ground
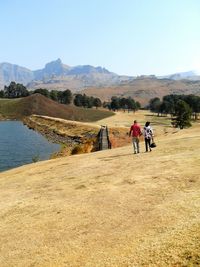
pixel 108 208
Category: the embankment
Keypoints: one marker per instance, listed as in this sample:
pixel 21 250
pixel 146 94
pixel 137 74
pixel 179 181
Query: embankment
pixel 76 137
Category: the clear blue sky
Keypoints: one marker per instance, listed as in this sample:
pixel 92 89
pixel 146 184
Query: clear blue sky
pixel 130 37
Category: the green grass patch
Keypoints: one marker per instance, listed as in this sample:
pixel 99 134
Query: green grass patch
pixel 91 114
pixel 10 108
pixel 158 120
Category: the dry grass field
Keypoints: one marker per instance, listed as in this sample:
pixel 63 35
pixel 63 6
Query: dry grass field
pixel 106 209
pixel 125 119
pixel 161 125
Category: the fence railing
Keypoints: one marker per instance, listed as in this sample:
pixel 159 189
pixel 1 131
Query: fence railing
pixel 104 141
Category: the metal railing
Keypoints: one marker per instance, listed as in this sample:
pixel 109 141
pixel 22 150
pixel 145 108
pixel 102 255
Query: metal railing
pixel 104 141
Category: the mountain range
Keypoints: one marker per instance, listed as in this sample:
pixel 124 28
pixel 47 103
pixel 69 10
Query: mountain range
pixel 59 75
pixel 188 75
pixel 56 75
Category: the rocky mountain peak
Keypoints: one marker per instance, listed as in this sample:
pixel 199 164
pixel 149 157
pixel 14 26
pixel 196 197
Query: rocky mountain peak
pixel 55 67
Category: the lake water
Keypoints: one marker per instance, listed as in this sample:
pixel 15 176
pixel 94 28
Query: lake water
pixel 19 145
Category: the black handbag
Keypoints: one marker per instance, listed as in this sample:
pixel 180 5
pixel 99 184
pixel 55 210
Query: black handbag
pixel 153 144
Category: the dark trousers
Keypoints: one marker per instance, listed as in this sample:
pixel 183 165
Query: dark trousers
pixel 147 144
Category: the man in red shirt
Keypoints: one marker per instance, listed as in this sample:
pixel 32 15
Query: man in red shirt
pixel 135 132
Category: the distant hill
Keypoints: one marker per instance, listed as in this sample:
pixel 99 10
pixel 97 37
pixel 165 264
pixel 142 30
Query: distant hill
pixel 10 72
pixel 40 105
pixel 189 75
pixel 145 88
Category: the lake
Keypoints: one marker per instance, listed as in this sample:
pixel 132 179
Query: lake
pixel 19 145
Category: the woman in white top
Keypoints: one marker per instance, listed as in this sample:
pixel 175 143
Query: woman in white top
pixel 148 134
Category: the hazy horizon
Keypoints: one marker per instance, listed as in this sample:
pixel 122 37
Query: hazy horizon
pixel 126 37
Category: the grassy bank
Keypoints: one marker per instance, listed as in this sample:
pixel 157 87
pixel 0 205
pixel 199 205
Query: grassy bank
pixel 40 105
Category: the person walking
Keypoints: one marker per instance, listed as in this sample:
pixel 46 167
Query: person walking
pixel 135 132
pixel 148 136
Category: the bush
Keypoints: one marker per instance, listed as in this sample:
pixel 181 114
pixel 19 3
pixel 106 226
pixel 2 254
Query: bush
pixel 78 149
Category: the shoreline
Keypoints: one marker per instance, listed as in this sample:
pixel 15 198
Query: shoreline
pixel 58 132
pixel 50 138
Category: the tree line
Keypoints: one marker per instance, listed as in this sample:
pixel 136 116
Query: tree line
pixel 16 90
pixel 122 103
pixel 182 108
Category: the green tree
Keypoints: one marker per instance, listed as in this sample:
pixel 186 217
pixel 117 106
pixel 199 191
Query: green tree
pixel 59 96
pixel 2 94
pixel 165 107
pixel 123 103
pixel 115 104
pixel 66 97
pixel 138 105
pixel 78 100
pixel 194 102
pixel 182 115
pixel 54 95
pixel 131 104
pixel 15 90
pixel 171 101
pixel 97 102
pixel 106 105
pixel 42 91
pixel 85 101
pixel 154 104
